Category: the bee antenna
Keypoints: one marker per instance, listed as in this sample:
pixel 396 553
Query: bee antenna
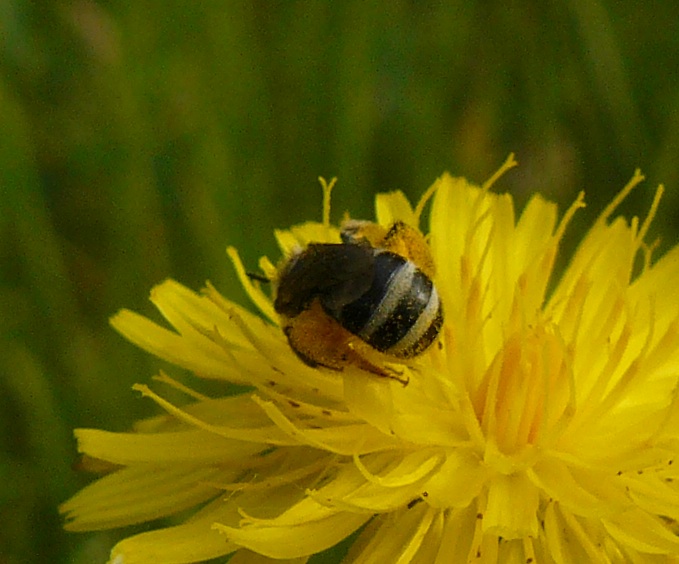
pixel 257 277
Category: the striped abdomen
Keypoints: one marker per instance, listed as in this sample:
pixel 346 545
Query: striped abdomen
pixel 400 314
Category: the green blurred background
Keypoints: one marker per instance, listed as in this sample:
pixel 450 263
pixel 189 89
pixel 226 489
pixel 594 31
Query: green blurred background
pixel 138 139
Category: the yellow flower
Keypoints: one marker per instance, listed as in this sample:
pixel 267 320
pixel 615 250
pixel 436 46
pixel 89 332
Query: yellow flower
pixel 544 428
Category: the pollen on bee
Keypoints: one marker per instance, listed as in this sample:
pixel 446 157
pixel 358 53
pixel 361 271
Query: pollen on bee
pixel 317 339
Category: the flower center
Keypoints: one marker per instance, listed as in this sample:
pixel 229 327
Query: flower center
pixel 525 396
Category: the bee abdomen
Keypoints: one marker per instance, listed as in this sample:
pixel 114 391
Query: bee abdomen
pixel 400 314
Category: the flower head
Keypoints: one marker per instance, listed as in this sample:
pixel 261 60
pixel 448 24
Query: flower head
pixel 544 427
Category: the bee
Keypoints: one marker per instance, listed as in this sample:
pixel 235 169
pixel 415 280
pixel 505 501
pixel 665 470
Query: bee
pixel 361 302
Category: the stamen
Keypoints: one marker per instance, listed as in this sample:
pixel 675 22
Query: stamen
pixel 280 478
pixel 566 219
pixel 651 213
pixel 345 442
pixel 286 425
pixel 647 250
pixel 507 165
pixel 610 208
pixel 166 379
pixel 263 435
pixel 321 415
pixel 419 208
pixel 327 189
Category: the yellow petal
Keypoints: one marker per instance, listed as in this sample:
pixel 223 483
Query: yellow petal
pixel 398 537
pixel 590 493
pixel 349 491
pixel 248 557
pixel 340 439
pixel 411 412
pixel 571 539
pixel 458 481
pixel 143 492
pixel 511 510
pixel 403 470
pixel 254 292
pixel 191 542
pixel 643 532
pixel 304 529
pixel 172 347
pixel 182 446
pixel 299 236
pixel 656 495
pixel 393 207
pixel 195 316
pixel 457 535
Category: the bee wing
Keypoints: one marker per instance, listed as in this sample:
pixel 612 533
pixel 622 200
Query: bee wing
pixel 336 273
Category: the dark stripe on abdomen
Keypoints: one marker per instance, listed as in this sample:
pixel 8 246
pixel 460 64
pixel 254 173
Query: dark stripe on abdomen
pixel 405 314
pixel 354 316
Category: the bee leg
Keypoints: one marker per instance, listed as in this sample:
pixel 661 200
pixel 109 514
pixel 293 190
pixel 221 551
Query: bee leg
pixel 383 371
pixel 319 341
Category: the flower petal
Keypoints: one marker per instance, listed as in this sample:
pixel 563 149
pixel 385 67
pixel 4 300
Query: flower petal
pixel 457 535
pixel 172 347
pixel 592 493
pixel 393 207
pixel 142 492
pixel 194 315
pixel 412 412
pixel 511 509
pixel 403 470
pixel 340 439
pixel 194 541
pixel 398 537
pixel 643 532
pixel 181 446
pixel 570 539
pixel 306 528
pixel 254 292
pixel 458 481
pixel 656 495
pixel 248 557
pixel 348 490
pixel 299 236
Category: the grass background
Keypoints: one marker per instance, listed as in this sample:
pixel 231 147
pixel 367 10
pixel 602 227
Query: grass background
pixel 138 139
